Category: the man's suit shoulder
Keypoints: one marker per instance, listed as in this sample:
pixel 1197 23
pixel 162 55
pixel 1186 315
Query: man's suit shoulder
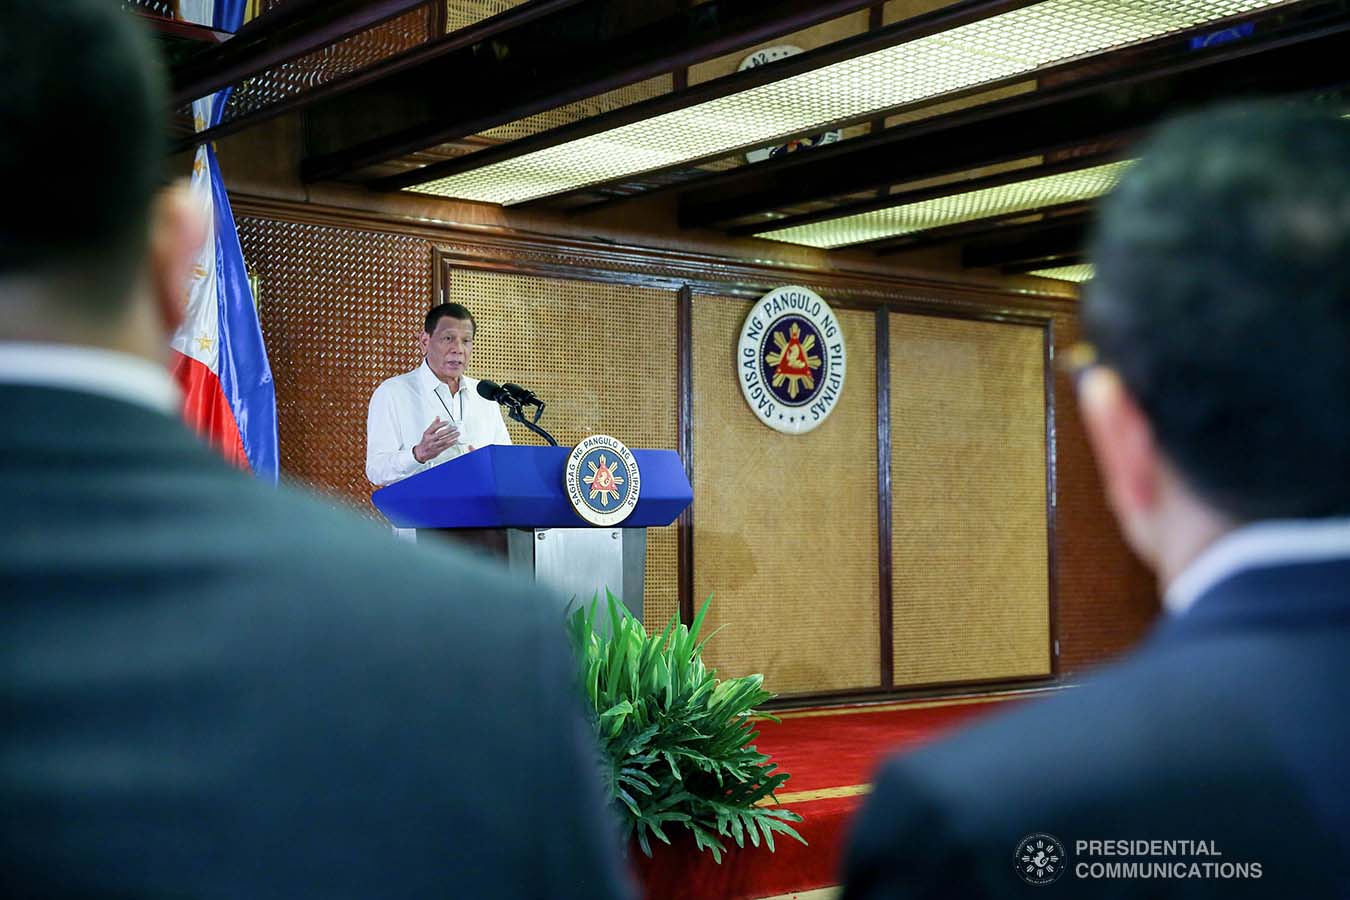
pixel 1170 716
pixel 300 538
pixel 1168 744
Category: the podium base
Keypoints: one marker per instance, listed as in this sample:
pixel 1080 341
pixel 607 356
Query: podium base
pixel 583 562
pixel 576 562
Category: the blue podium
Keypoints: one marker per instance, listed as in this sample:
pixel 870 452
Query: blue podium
pixel 512 500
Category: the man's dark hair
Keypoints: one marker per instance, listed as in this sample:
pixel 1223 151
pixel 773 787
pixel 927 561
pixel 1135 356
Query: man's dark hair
pixel 450 311
pixel 1222 297
pixel 82 101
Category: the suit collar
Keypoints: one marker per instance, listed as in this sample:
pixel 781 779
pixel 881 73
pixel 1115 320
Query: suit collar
pixel 89 370
pixel 1300 594
pixel 78 428
pixel 1260 545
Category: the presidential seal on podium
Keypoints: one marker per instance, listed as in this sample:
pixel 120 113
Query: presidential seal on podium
pixel 602 480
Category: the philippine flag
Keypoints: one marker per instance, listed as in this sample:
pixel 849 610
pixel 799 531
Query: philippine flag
pixel 220 361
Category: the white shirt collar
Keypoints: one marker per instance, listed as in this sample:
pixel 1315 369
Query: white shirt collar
pixel 1263 544
pixel 430 381
pixel 90 370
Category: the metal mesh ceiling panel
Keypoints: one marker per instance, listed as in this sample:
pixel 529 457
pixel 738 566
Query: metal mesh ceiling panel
pixel 953 209
pixel 1006 45
pixel 1079 273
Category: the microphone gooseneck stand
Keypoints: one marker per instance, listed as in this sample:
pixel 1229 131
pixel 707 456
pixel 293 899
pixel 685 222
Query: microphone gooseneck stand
pixel 516 413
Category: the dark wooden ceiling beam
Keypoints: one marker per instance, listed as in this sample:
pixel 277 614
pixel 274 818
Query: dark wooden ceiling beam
pixel 995 225
pixel 1047 240
pixel 515 17
pixel 290 31
pixel 538 72
pixel 1111 106
pixel 1159 51
pixel 774 14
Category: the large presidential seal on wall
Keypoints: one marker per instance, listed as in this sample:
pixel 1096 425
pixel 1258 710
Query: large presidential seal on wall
pixel 602 480
pixel 790 359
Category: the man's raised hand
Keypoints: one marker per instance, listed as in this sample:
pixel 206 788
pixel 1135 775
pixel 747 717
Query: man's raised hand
pixel 439 436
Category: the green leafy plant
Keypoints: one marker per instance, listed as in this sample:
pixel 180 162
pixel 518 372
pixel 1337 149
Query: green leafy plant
pixel 679 742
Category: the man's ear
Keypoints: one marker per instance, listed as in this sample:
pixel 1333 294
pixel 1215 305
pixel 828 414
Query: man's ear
pixel 1126 451
pixel 423 341
pixel 178 230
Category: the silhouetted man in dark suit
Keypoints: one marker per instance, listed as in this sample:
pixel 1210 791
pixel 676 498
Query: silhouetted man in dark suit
pixel 210 688
pixel 1219 412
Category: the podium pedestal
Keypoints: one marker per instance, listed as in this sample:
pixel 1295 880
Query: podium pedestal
pixel 583 562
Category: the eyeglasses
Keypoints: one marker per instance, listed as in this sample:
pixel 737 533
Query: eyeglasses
pixel 1081 357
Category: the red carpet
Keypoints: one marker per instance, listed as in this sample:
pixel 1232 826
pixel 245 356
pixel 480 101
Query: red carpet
pixel 831 755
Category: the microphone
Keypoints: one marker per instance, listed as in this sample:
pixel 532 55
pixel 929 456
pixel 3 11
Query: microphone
pixel 491 390
pixel 513 397
pixel 521 394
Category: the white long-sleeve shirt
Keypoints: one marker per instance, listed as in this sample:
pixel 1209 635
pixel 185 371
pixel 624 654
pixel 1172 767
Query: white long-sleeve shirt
pixel 403 406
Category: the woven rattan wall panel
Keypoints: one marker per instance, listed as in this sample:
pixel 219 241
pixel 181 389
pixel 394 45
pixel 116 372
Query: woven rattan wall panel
pixel 785 526
pixel 340 311
pixel 1106 599
pixel 603 357
pixel 582 109
pixel 969 531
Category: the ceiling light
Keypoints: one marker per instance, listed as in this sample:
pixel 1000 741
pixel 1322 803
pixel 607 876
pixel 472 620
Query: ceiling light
pixel 1010 44
pixel 953 209
pixel 1079 273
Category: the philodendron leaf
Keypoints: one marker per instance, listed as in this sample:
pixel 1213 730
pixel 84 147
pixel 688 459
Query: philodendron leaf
pixel 628 801
pixel 623 707
pixel 678 741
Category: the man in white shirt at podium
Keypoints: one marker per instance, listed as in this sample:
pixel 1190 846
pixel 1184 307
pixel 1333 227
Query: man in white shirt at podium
pixel 432 414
